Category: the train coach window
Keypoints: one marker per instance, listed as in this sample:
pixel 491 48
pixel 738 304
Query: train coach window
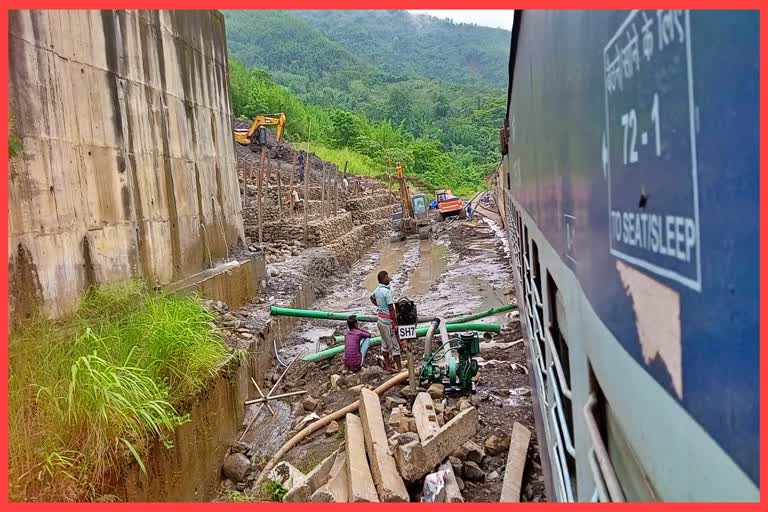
pixel 557 322
pixel 632 480
pixel 525 260
pixel 536 272
pixel 535 266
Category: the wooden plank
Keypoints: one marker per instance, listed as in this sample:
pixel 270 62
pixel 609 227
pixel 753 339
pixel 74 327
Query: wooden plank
pixel 513 475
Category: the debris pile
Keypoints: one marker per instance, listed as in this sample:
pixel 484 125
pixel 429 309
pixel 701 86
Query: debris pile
pixel 414 456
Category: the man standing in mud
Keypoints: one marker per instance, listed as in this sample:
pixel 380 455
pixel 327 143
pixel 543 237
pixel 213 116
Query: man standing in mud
pixel 387 323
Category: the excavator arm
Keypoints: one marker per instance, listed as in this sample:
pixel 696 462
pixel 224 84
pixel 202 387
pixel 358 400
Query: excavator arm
pixel 245 137
pixel 405 195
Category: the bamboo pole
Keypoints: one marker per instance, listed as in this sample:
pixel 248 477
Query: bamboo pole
pixel 248 180
pixel 279 193
pixel 306 183
pixel 279 379
pixel 275 397
pixel 261 174
pixel 322 195
pixel 266 402
pixel 290 183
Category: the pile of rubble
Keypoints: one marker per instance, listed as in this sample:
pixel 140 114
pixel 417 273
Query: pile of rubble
pixel 423 452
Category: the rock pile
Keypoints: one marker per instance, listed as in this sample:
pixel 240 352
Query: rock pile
pixel 379 461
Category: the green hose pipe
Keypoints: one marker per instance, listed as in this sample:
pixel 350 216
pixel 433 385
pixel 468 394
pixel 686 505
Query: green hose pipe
pixel 323 315
pixel 420 332
pixel 482 314
pixel 327 315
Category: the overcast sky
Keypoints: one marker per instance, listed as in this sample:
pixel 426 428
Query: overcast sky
pixel 489 18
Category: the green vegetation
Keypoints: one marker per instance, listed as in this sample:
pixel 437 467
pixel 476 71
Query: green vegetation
pixel 238 497
pixel 100 385
pixel 377 87
pixel 275 491
pixel 436 48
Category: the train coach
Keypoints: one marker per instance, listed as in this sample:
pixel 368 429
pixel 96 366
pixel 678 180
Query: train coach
pixel 629 189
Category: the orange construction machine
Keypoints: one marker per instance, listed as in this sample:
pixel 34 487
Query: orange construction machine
pixel 449 205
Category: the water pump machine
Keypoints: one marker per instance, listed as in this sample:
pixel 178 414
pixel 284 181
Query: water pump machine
pixel 453 364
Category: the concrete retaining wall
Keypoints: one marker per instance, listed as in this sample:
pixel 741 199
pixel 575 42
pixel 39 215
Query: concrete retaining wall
pixel 128 166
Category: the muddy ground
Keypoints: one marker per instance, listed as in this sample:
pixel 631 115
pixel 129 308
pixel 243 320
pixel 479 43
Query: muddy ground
pixel 463 269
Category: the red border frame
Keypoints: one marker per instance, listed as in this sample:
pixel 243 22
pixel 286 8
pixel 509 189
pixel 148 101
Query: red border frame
pixel 364 4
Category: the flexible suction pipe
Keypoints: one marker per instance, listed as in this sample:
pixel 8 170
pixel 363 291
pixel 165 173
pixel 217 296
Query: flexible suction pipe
pixel 316 425
pixel 428 338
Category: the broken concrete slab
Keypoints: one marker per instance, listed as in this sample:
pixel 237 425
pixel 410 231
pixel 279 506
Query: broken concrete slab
pixel 452 491
pixel 513 474
pixel 314 479
pixel 415 459
pixel 335 489
pixel 388 482
pixel 425 416
pixel 360 486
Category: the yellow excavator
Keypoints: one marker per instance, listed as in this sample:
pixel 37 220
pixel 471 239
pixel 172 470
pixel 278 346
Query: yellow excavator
pixel 410 217
pixel 256 134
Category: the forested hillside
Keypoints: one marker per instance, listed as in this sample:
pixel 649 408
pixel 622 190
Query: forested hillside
pixel 402 43
pixel 378 86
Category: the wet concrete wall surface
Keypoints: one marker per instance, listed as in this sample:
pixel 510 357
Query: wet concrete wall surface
pixel 128 166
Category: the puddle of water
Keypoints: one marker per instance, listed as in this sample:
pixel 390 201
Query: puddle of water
pixel 433 262
pixel 390 259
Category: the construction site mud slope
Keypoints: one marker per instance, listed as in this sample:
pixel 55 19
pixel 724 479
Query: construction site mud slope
pixel 464 268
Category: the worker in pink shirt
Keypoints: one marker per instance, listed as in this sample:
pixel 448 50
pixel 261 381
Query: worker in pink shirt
pixel 356 344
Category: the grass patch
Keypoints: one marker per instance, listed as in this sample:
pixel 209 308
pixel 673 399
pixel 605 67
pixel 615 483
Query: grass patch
pixel 91 389
pixel 357 164
pixel 275 491
pixel 237 497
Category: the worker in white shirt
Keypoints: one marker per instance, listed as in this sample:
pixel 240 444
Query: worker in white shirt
pixel 296 199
